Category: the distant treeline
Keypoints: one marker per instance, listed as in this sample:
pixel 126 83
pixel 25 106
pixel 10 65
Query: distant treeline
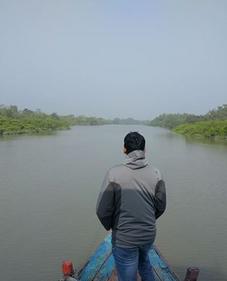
pixel 14 121
pixel 127 121
pixel 212 124
pixel 84 120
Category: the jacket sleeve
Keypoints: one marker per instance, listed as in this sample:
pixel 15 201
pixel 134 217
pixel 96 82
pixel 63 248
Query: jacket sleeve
pixel 160 198
pixel 105 203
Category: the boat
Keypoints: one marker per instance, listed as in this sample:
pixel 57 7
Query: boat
pixel 100 266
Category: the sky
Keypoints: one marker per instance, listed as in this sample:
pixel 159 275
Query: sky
pixel 118 58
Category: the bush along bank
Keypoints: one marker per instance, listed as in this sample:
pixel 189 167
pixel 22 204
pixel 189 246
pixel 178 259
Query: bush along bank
pixel 211 125
pixel 208 129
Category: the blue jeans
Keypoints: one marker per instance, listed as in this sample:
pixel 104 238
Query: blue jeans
pixel 129 260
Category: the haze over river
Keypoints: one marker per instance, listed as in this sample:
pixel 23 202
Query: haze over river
pixel 48 190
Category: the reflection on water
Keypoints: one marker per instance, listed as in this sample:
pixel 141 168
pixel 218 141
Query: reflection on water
pixel 48 190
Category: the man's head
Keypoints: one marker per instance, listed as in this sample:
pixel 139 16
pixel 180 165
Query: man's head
pixel 133 141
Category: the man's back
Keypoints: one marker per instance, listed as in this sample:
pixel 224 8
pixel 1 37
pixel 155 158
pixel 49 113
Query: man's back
pixel 132 197
pixel 129 189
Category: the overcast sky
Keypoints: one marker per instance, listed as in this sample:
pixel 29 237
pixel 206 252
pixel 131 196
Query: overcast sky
pixel 113 58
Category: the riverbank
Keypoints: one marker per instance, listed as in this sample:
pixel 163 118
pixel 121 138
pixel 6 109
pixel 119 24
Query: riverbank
pixel 26 122
pixel 216 129
pixel 212 125
pixel 31 125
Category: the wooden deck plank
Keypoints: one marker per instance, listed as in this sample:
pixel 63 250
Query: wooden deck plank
pixel 106 271
pixel 96 261
pixel 100 266
pixel 113 276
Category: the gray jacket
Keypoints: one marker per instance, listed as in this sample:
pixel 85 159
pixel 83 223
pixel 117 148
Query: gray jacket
pixel 132 197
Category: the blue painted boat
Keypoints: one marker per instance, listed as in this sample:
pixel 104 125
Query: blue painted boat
pixel 100 266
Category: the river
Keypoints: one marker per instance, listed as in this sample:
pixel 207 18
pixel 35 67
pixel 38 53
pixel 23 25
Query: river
pixel 48 190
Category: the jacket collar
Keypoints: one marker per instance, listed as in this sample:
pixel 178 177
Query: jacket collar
pixel 136 160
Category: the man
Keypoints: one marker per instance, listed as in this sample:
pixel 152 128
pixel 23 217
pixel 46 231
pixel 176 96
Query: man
pixel 132 197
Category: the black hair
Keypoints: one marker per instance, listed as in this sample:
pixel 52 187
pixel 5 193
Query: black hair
pixel 134 141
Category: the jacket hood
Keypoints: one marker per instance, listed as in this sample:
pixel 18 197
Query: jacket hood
pixel 136 160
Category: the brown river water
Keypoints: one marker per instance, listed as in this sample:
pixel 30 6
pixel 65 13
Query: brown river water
pixel 48 190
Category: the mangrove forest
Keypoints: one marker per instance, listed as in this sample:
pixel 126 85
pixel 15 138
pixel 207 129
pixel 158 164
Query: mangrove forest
pixel 211 125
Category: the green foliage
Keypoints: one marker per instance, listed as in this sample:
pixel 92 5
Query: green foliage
pixel 170 121
pixel 84 120
pixel 220 113
pixel 127 121
pixel 212 124
pixel 208 129
pixel 13 121
pixel 11 111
